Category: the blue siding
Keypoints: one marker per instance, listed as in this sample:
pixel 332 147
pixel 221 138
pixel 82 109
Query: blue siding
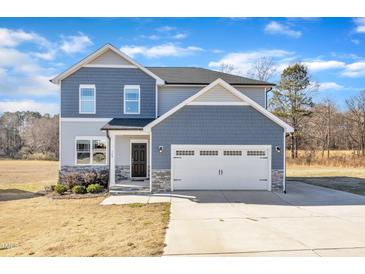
pixel 109 83
pixel 216 125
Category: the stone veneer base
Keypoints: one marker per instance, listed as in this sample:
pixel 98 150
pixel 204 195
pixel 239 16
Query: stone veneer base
pixel 277 180
pixel 161 180
pixel 80 169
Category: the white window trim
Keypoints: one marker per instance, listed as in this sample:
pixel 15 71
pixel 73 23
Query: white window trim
pixel 87 86
pixel 91 138
pixel 139 99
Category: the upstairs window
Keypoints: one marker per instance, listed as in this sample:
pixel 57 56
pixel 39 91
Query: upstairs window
pixel 87 99
pixel 131 99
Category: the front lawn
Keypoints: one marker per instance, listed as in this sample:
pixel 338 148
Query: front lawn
pixel 33 225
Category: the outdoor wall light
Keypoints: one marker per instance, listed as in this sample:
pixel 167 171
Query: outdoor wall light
pixel 277 148
pixel 160 149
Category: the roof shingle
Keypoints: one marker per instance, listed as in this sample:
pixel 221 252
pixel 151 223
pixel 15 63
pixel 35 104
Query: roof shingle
pixel 127 123
pixel 201 76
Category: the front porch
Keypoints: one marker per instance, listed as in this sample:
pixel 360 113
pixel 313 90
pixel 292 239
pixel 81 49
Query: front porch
pixel 130 161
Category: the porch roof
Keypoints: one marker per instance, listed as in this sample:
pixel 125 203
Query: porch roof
pixel 127 123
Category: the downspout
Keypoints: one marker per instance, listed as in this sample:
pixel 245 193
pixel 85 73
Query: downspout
pixel 266 91
pixel 109 158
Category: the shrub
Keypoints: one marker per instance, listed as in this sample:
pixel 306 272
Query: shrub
pixel 79 189
pixel 60 189
pixel 95 188
pixel 89 177
pixel 49 188
pixel 72 179
pixel 103 178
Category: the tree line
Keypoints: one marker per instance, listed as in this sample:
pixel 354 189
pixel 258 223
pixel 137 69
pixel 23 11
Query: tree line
pixel 29 135
pixel 319 126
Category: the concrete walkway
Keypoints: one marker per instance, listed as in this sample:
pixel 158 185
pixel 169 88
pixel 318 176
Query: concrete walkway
pixel 307 221
pixel 144 199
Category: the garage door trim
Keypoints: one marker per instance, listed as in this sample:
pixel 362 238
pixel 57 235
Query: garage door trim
pixel 175 147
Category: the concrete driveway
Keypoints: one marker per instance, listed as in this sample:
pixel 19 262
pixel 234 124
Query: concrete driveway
pixel 307 221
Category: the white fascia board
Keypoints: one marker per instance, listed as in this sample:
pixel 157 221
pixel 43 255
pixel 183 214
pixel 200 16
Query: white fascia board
pixel 96 54
pixel 235 92
pixel 62 119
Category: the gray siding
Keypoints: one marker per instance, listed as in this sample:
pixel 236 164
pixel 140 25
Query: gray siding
pixel 215 125
pixel 109 83
pixel 257 94
pixel 69 131
pixel 169 97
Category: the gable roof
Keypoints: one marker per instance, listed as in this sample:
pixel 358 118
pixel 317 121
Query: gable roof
pixel 235 92
pixel 201 76
pixel 96 54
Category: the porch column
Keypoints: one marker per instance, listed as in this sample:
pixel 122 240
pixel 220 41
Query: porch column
pixel 112 159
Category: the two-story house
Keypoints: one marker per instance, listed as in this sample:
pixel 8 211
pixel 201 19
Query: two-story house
pixel 169 128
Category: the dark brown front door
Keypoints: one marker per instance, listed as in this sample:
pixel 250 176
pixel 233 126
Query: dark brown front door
pixel 139 161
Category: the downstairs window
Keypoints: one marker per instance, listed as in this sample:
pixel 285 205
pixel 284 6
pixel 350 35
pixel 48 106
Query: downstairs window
pixel 91 151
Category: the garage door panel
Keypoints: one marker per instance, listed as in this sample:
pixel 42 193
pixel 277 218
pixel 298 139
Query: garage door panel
pixel 221 167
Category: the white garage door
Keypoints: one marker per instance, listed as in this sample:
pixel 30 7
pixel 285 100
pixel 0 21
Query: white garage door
pixel 221 167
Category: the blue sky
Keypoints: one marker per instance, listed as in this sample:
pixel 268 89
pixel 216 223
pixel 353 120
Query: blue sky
pixel 33 50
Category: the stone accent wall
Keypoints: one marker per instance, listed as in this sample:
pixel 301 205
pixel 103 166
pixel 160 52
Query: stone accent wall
pixel 80 169
pixel 161 180
pixel 122 173
pixel 277 180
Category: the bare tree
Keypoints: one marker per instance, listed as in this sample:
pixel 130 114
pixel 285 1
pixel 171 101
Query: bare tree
pixel 356 117
pixel 319 127
pixel 226 68
pixel 263 69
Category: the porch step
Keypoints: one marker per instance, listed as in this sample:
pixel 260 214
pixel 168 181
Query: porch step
pixel 129 192
pixel 129 189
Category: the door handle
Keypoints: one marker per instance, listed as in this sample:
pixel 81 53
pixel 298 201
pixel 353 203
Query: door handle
pixel 220 171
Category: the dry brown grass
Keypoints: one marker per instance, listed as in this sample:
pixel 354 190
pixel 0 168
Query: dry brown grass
pixel 46 227
pixel 40 226
pixel 27 175
pixel 338 158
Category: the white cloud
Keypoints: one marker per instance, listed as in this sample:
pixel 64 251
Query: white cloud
pixel 2 72
pixel 318 65
pixel 163 50
pixel 243 61
pixel 329 86
pixel 165 28
pixel 153 37
pixel 18 61
pixel 34 85
pixel 217 51
pixel 356 69
pixel 47 56
pixel 38 85
pixel 75 43
pixel 360 25
pixel 278 28
pixel 180 36
pixel 24 105
pixel 12 38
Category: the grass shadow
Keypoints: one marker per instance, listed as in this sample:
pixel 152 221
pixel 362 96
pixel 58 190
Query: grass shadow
pixel 12 194
pixel 344 183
